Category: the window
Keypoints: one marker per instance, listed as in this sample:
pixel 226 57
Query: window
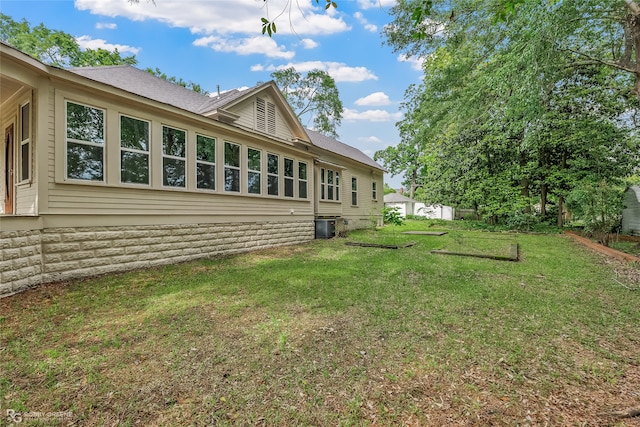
pixel 374 190
pixel 329 184
pixel 254 174
pixel 354 191
pixel 288 177
pixel 272 174
pixel 85 142
pixel 205 162
pixel 302 180
pixel 134 150
pixel 25 140
pixel 231 167
pixel 173 156
pixel 265 116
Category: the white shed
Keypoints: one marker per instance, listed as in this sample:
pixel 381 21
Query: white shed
pixel 631 211
pixel 407 206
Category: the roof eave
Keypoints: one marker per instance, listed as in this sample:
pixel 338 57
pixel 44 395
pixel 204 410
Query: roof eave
pixel 222 116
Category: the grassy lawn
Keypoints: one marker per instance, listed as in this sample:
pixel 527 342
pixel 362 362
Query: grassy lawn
pixel 330 334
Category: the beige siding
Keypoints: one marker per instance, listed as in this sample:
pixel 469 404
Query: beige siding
pixel 367 211
pixel 247 110
pixel 83 197
pixel 26 196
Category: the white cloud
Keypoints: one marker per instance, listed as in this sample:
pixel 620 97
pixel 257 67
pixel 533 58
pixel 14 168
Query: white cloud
pixel 370 4
pixel 246 46
pixel 86 42
pixel 309 44
pixel 416 63
pixel 375 99
pixel 303 17
pixel 370 140
pixel 366 24
pixel 370 115
pixel 106 26
pixel 338 70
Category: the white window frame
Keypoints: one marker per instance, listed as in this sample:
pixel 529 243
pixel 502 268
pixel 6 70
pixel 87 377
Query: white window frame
pixel 173 157
pixel 289 179
pixel 354 190
pixel 325 185
pixel 133 150
pixel 101 145
pixel 374 190
pixel 232 167
pixel 254 171
pixel 304 181
pixel 275 175
pixel 207 162
pixel 25 141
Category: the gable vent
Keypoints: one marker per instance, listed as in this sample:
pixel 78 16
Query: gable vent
pixel 265 116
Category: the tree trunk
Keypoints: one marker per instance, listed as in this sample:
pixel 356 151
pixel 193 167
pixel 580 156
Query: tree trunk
pixel 560 211
pixel 633 20
pixel 414 185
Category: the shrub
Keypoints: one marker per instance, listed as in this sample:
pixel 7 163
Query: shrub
pixel 392 216
pixel 521 221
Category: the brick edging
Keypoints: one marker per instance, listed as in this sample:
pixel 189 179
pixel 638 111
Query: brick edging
pixel 619 255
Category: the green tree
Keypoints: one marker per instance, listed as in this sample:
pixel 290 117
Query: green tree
pixel 504 112
pixel 314 95
pixel 600 206
pixel 55 47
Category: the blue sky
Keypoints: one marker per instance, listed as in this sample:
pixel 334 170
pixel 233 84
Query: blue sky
pixel 219 43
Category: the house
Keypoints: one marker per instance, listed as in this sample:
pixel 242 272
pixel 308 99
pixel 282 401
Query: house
pixel 631 211
pixel 109 169
pixel 407 206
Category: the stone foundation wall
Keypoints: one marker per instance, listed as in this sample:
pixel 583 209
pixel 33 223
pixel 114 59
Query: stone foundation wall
pixel 20 260
pixel 54 254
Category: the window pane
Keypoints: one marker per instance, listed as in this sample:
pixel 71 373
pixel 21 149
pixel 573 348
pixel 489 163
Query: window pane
pixel 272 185
pixel 288 187
pixel 206 149
pixel 272 163
pixel 330 192
pixel 302 189
pixel 134 167
pixel 206 176
pixel 24 165
pixel 253 159
pixel 354 184
pixel 330 177
pixel 134 133
pixel 302 171
pixel 253 183
pixel 231 154
pixel 84 162
pixel 173 141
pixel 85 123
pixel 231 179
pixel 25 122
pixel 354 198
pixel 288 167
pixel 173 175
